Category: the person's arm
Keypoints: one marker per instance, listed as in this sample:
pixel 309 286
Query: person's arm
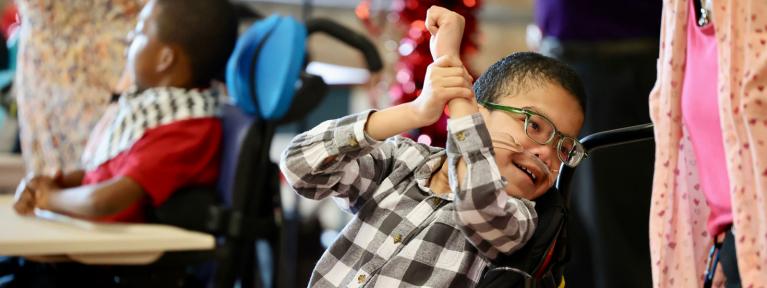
pixel 70 179
pixel 25 197
pixel 446 28
pixel 492 221
pixel 89 201
pixel 345 158
pixel 164 160
pixel 445 82
pixel 338 158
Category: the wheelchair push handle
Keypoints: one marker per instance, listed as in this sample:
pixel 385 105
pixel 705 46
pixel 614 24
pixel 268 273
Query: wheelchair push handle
pixel 349 37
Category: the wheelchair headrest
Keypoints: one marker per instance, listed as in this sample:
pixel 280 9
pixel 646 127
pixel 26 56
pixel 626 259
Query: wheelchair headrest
pixel 265 74
pixel 265 66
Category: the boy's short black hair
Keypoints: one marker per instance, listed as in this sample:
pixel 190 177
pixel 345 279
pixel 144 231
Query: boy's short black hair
pixel 205 29
pixel 521 71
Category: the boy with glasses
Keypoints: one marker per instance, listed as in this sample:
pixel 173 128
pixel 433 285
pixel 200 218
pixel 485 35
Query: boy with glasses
pixel 541 130
pixel 425 216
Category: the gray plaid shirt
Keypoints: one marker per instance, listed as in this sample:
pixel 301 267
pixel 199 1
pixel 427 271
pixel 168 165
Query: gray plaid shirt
pixel 404 235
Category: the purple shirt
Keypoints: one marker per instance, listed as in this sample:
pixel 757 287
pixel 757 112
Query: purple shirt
pixel 594 20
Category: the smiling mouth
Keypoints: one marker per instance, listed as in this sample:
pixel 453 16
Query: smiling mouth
pixel 527 171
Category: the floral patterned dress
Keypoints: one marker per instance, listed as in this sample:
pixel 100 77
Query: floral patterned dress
pixel 71 55
pixel 679 241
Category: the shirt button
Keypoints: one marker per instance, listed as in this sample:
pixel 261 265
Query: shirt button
pixel 361 279
pixel 397 238
pixel 460 136
pixel 352 142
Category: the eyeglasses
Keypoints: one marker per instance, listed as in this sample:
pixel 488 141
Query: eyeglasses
pixel 542 131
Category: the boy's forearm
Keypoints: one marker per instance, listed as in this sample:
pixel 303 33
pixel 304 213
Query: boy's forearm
pixel 461 107
pixel 501 225
pixel 98 200
pixel 316 161
pixel 71 179
pixel 392 121
pixel 447 42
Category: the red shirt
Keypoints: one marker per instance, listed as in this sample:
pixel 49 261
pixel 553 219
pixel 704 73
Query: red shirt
pixel 165 159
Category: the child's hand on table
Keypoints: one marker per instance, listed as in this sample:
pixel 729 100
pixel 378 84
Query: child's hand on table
pixel 34 193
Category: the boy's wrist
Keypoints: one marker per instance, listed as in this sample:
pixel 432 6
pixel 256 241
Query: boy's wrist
pixel 467 134
pixel 413 116
pixel 44 199
pixel 462 107
pixel 393 121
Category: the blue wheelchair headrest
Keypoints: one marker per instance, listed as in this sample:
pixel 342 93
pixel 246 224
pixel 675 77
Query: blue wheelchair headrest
pixel 265 66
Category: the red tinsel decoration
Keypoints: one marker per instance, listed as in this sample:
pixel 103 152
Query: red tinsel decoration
pixel 9 20
pixel 415 56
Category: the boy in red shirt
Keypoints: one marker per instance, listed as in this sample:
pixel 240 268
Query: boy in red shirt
pixel 159 138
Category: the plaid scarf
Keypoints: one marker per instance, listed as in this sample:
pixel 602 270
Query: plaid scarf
pixel 136 112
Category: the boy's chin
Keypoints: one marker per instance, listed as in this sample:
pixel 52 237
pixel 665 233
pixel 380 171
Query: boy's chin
pixel 536 194
pixel 528 194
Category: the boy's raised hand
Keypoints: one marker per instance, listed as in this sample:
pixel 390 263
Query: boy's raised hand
pixel 446 29
pixel 445 80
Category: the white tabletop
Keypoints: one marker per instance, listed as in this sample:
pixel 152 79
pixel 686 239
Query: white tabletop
pixel 51 236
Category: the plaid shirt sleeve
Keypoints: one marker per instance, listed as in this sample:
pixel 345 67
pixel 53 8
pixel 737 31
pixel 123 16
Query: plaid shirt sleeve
pixel 492 221
pixel 337 158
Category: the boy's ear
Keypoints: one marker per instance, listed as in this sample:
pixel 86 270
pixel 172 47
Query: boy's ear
pixel 166 58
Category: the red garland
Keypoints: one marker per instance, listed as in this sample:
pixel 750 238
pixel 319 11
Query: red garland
pixel 415 56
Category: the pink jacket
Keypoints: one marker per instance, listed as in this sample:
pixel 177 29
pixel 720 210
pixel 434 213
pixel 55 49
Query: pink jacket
pixel 678 238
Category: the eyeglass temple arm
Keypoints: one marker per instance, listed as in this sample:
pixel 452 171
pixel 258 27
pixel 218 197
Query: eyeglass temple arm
pixel 601 140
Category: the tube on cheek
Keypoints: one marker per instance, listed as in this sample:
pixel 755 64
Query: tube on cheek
pixel 504 140
pixel 498 126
